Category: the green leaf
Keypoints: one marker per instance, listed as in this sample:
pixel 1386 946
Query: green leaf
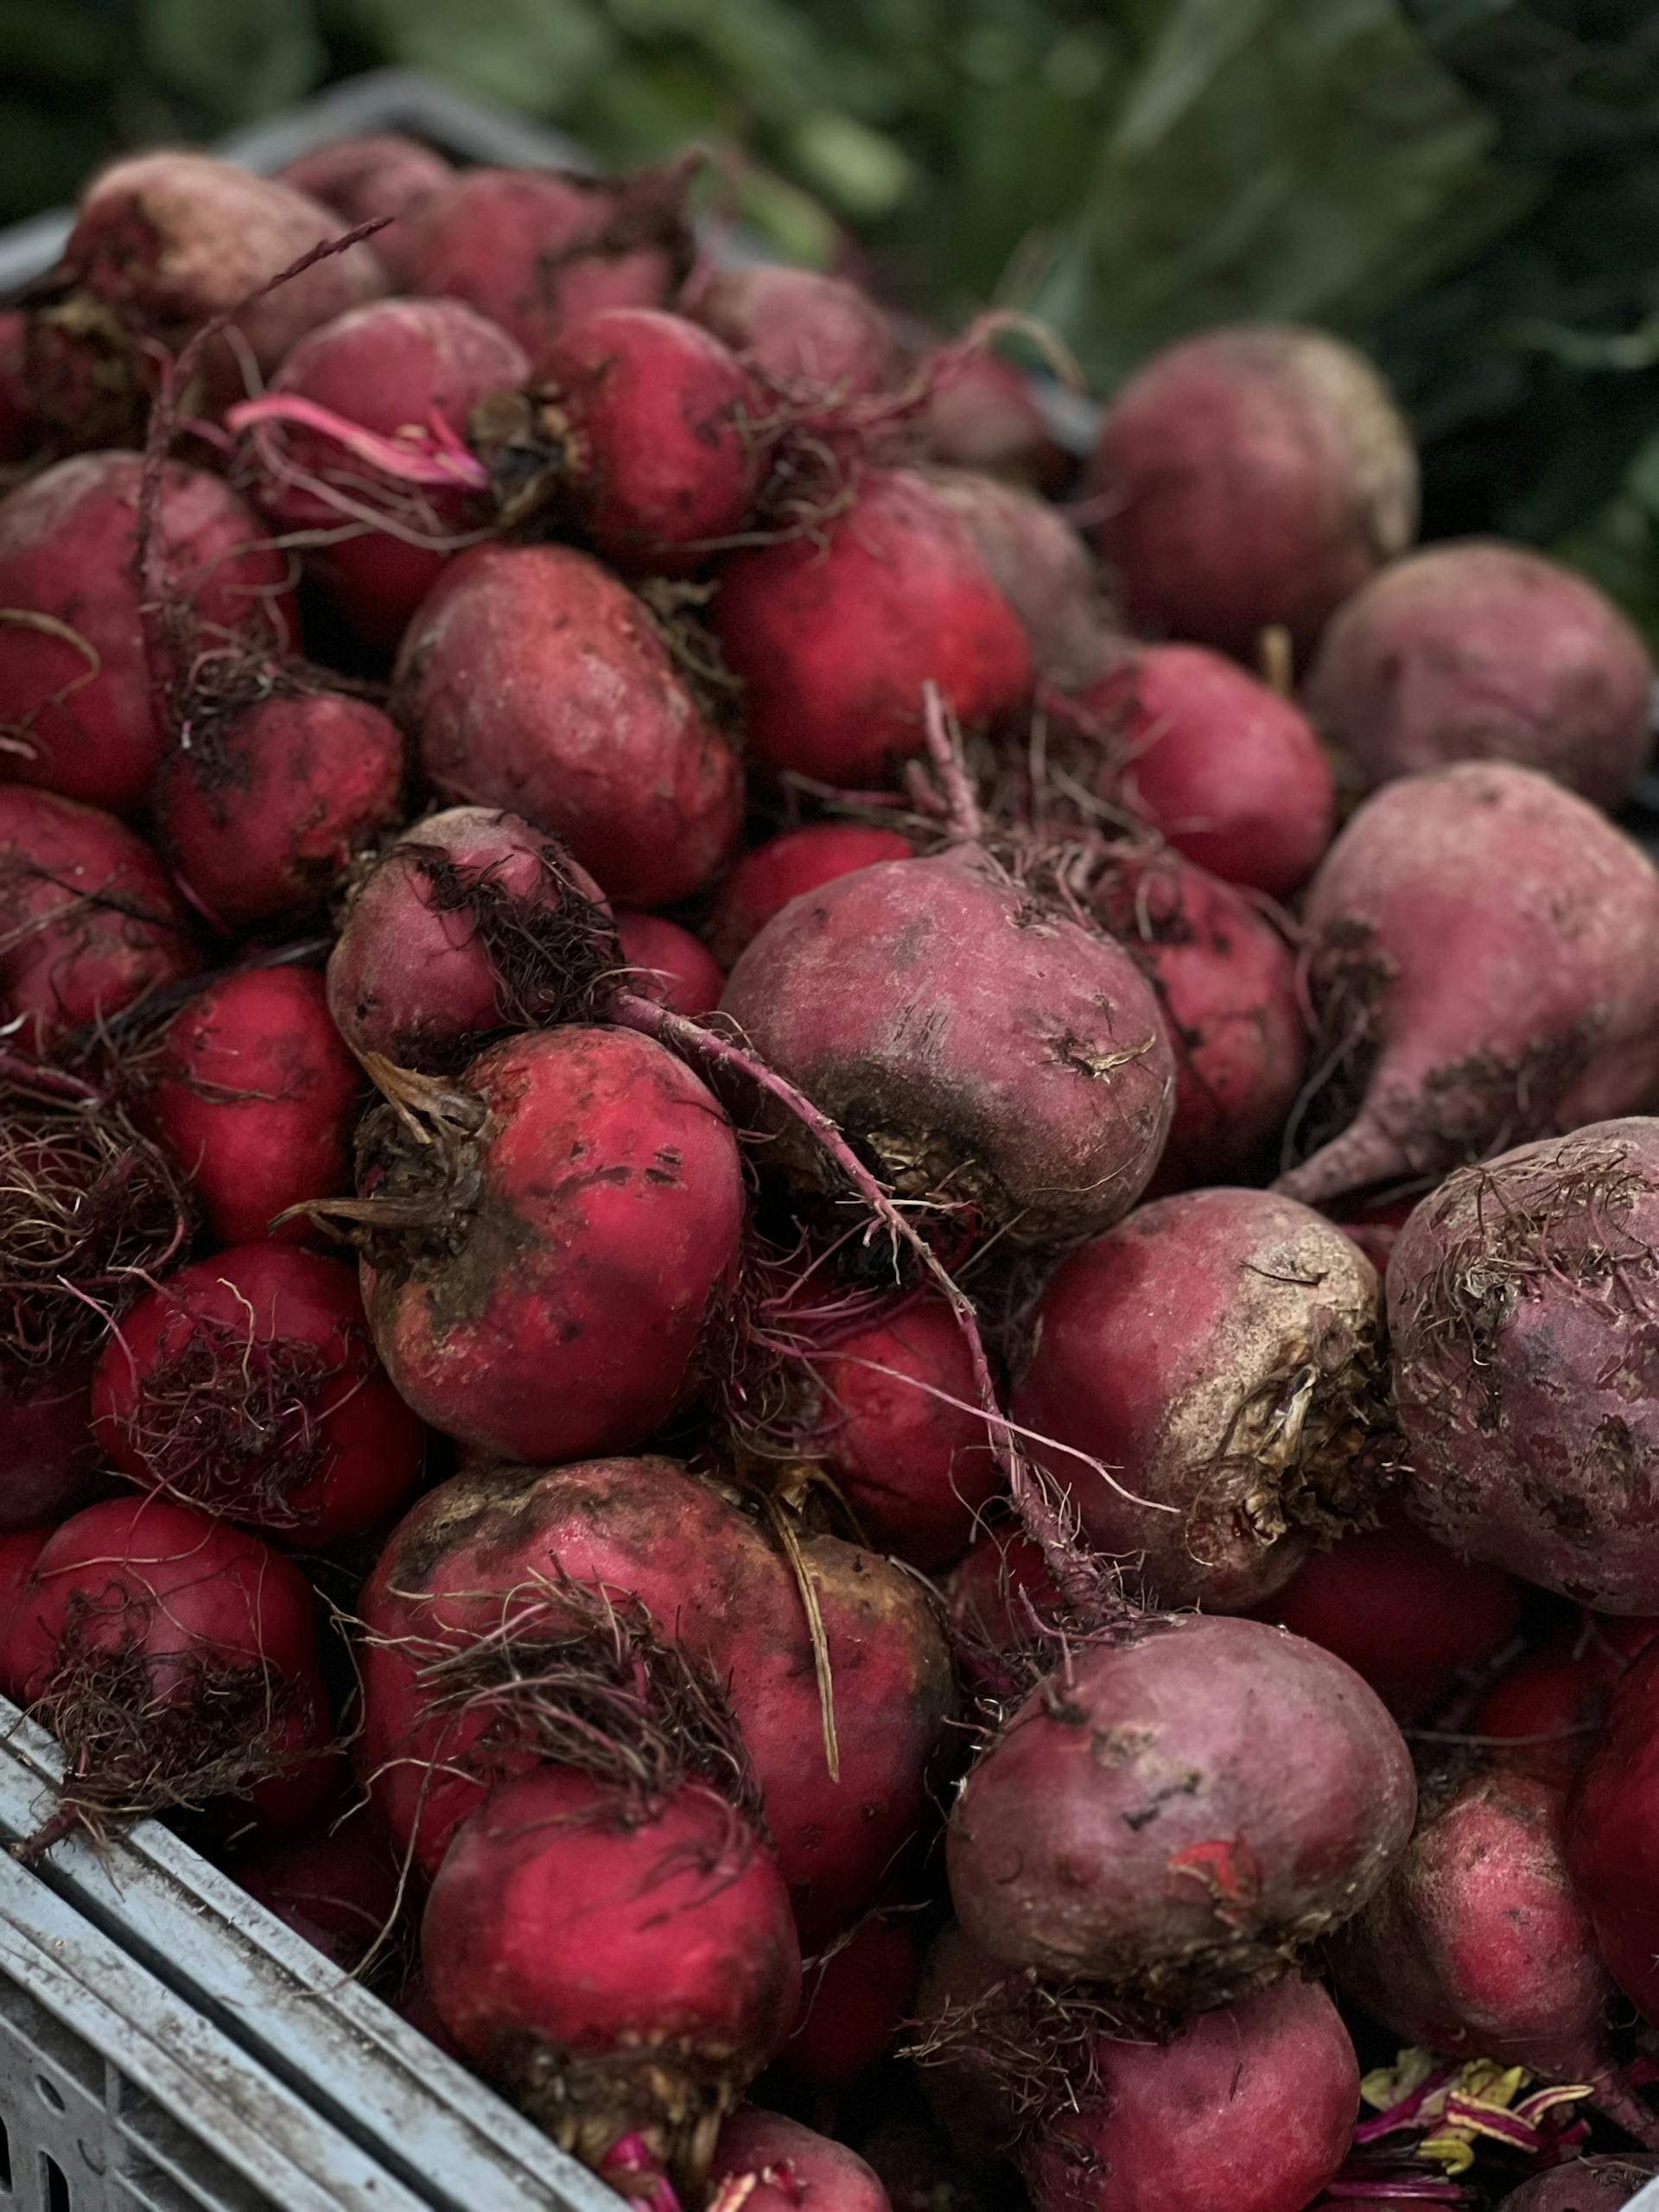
pixel 235 63
pixel 539 54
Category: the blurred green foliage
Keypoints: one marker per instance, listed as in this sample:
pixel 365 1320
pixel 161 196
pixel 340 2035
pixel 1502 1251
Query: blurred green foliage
pixel 1469 187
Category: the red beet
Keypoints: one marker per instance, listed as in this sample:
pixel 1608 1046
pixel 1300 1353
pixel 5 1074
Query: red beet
pixel 163 242
pixel 47 1446
pixel 656 436
pixel 175 1659
pixel 1543 1715
pixel 1482 651
pixel 472 923
pixel 88 920
pixel 764 2162
pixel 887 1408
pixel 338 1889
pixel 621 1968
pixel 1226 985
pixel 1040 566
pixel 1476 1945
pixel 763 880
pixel 1177 1815
pixel 363 424
pixel 245 1384
pixel 531 678
pixel 1612 1831
pixel 256 1096
pixel 487 1557
pixel 540 250
pixel 1585 2185
pixel 1252 2107
pixel 817 340
pixel 989 1053
pixel 980 414
pixel 1482 966
pixel 19 1549
pixel 669 963
pixel 1249 477
pixel 379 175
pixel 1408 1616
pixel 561 1309
pixel 1520 1332
pixel 836 633
pixel 19 430
pixel 261 815
pixel 1229 773
pixel 1220 1351
pixel 995 1587
pixel 854 2000
pixel 80 716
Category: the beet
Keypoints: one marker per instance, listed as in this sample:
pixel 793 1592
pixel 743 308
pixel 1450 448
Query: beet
pixel 263 812
pixel 1250 477
pixel 531 678
pixel 1612 1835
pixel 619 1967
pixel 256 1097
pixel 1520 1328
pixel 506 1555
pixel 764 2162
pixel 980 414
pixel 88 920
pixel 669 965
pixel 162 244
pixel 1226 985
pixel 1543 1715
pixel 1483 969
pixel 1220 1353
pixel 175 1659
pixel 245 1384
pixel 19 1549
pixel 47 1451
pixel 381 174
pixel 987 1052
pixel 363 424
pixel 81 716
pixel 1408 1617
pixel 1219 764
pixel 1040 566
pixel 338 1889
pixel 19 430
pixel 1589 2184
pixel 763 881
pixel 1180 1814
pixel 817 340
pixel 855 1999
pixel 555 1305
pixel 540 250
pixel 835 633
pixel 473 922
pixel 1482 651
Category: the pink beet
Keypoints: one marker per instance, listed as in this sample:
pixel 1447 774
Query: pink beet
pixel 1021 1074
pixel 472 923
pixel 1132 1823
pixel 1482 959
pixel 363 425
pixel 621 1968
pixel 262 813
pixel 1250 477
pixel 1226 985
pixel 1229 773
pixel 531 678
pixel 246 1384
pixel 379 175
pixel 540 250
pixel 764 2162
pixel 80 715
pixel 1040 566
pixel 817 340
pixel 1220 1353
pixel 88 920
pixel 669 963
pixel 835 635
pixel 980 414
pixel 1484 652
pixel 763 881
pixel 1517 1332
pixel 254 1095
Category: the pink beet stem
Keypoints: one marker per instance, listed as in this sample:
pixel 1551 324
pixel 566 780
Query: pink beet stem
pixel 433 456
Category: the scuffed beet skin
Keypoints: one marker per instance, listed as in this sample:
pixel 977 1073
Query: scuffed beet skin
pixel 1179 1816
pixel 1220 1353
pixel 561 1311
pixel 765 2163
pixel 532 679
pixel 1523 1346
pixel 985 1051
pixel 1595 2184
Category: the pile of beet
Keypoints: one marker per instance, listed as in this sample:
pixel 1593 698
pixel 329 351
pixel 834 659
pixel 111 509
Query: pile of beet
pixel 838 1313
